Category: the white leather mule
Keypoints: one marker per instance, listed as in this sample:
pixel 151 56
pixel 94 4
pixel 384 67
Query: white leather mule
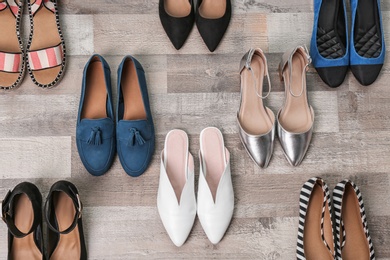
pixel 176 201
pixel 215 189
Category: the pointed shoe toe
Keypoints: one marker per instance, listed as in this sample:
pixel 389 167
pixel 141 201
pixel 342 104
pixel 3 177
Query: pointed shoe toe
pixel 260 147
pixel 295 145
pixel 333 76
pixel 212 21
pixel 366 74
pixel 177 21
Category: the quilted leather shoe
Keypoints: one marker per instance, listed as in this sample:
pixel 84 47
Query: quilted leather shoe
pixel 367 41
pixel 329 46
pixel 135 129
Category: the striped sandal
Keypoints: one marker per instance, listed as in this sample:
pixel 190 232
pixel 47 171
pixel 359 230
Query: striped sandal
pixel 353 237
pixel 46 46
pixel 12 59
pixel 315 229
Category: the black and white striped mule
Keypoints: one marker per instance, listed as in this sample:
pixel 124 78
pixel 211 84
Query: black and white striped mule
pixel 353 237
pixel 315 230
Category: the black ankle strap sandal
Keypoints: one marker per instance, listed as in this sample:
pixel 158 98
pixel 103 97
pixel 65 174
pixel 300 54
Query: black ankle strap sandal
pixel 63 214
pixel 21 210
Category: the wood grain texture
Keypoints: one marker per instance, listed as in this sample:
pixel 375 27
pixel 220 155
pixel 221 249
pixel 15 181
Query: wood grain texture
pixel 191 89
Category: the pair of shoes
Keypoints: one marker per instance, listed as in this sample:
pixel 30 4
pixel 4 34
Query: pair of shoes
pixel 45 54
pixel 316 236
pixel 330 47
pixel 176 200
pixel 22 212
pixel 212 18
pixel 99 134
pixel 256 122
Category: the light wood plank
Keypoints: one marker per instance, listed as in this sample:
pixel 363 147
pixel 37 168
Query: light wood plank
pixel 143 34
pixel 35 157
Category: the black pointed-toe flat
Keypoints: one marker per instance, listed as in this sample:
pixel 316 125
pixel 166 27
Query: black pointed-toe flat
pixel 177 19
pixel 212 20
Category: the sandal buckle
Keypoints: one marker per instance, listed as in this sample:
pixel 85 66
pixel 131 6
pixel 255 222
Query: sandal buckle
pixel 79 206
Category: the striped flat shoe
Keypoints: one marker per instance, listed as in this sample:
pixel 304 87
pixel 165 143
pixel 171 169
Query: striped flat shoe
pixel 12 58
pixel 353 240
pixel 46 46
pixel 315 229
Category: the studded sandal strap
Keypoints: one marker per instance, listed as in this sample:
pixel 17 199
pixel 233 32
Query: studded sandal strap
pixel 73 194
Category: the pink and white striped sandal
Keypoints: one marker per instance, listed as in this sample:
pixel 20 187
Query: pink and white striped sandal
pixel 46 46
pixel 12 58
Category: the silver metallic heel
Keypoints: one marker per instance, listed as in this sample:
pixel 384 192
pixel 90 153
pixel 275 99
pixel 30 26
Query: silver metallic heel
pixel 296 117
pixel 256 123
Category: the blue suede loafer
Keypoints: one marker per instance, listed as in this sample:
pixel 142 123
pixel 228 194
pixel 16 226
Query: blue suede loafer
pixel 135 129
pixel 329 48
pixel 95 130
pixel 367 41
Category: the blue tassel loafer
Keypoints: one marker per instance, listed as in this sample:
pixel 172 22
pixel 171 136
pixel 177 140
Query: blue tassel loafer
pixel 135 129
pixel 329 46
pixel 95 131
pixel 367 41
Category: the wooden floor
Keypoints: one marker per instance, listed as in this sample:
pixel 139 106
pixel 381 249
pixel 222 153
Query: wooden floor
pixel 192 89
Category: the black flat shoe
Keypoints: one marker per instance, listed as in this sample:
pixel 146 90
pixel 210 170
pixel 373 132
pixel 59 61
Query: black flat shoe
pixel 65 228
pixel 22 212
pixel 212 20
pixel 177 18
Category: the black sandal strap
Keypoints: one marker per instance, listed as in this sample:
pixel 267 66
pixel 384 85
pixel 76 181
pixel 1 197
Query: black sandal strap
pixel 7 213
pixel 71 191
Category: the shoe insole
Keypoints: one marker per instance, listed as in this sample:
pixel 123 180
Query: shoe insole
pixel 356 244
pixel 8 43
pixel 24 248
pixel 215 157
pixel 45 35
pixel 68 246
pixel 367 20
pixel 253 117
pixel 314 246
pixel 177 8
pixel 134 108
pixel 212 9
pixel 177 160
pixel 95 96
pixel 331 18
pixel 296 114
